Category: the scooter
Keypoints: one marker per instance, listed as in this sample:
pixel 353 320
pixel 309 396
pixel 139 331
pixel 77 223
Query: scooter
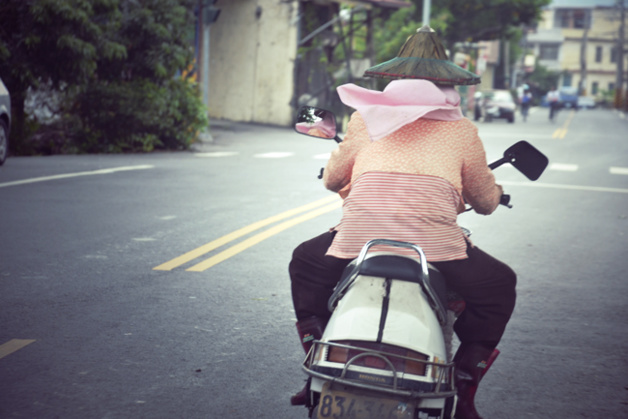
pixel 386 350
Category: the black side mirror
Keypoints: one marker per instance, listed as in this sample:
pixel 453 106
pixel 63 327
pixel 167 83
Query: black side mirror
pixel 316 122
pixel 525 158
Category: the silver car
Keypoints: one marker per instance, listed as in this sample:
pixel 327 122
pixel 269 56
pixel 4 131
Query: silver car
pixel 5 121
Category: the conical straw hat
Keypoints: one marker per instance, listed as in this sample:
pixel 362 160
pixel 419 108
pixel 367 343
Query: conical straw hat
pixel 423 57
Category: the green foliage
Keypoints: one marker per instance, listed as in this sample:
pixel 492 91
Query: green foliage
pixel 543 79
pixel 114 62
pixel 477 20
pixel 391 32
pixel 137 115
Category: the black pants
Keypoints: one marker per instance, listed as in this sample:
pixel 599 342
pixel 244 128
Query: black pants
pixel 486 284
pixel 554 107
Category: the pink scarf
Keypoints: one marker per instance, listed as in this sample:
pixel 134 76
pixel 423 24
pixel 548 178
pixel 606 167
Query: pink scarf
pixel 401 102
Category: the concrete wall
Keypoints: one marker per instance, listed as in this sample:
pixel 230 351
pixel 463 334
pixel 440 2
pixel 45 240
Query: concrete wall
pixel 252 51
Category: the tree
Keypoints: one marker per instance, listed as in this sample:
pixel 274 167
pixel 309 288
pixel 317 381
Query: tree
pixel 542 80
pixel 484 20
pixel 113 61
pixel 136 102
pixel 459 21
pixel 52 41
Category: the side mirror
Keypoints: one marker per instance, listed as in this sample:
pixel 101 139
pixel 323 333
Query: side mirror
pixel 525 158
pixel 316 122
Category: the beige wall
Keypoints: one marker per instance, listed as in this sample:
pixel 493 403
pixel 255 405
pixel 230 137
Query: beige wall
pixel 252 60
pixel 603 32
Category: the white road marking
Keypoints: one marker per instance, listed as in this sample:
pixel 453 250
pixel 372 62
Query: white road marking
pixel 77 174
pixel 618 170
pixel 217 154
pixel 563 167
pixel 568 187
pixel 324 156
pixel 274 155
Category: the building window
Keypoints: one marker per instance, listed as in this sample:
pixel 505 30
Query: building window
pixel 572 18
pixel 598 54
pixel 594 88
pixel 611 87
pixel 580 19
pixel 614 55
pixel 567 80
pixel 549 51
pixel 561 18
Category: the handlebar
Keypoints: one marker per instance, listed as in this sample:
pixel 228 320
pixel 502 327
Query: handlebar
pixel 505 200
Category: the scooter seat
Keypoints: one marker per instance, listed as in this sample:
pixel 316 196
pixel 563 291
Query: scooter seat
pixel 405 269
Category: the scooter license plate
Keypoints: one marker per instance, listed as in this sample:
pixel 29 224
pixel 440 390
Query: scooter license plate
pixel 340 404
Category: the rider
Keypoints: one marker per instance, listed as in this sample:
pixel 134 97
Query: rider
pixel 553 99
pixel 526 102
pixel 407 164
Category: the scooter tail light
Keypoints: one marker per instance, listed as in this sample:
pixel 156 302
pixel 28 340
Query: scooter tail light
pixel 417 365
pixel 338 354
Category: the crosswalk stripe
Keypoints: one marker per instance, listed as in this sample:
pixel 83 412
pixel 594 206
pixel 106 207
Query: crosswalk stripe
pixel 563 167
pixel 274 155
pixel 618 170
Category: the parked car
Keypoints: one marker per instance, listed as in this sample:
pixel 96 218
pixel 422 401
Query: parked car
pixel 586 102
pixel 568 97
pixel 5 121
pixel 492 104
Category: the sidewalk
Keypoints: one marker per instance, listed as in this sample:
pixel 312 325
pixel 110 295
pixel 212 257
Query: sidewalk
pixel 221 127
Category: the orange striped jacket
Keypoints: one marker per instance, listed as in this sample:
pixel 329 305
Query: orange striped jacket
pixel 410 186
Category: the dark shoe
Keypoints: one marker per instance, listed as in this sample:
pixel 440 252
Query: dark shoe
pixel 465 408
pixel 303 396
pixel 309 330
pixel 471 363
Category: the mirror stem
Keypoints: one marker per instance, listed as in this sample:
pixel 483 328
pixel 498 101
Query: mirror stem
pixel 498 163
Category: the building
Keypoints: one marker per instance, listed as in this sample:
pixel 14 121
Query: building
pixel 260 66
pixel 579 39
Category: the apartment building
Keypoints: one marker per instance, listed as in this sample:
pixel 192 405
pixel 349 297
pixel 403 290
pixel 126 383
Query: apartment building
pixel 256 71
pixel 579 39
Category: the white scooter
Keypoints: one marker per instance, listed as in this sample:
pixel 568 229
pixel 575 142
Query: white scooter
pixel 386 350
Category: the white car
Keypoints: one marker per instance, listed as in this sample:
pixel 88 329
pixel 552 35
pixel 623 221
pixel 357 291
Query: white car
pixel 586 102
pixel 5 121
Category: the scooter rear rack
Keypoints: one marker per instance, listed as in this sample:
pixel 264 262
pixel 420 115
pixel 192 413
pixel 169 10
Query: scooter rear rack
pixel 441 387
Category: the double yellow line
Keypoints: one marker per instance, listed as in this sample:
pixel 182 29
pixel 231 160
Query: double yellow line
pixel 561 132
pixel 13 345
pixel 311 210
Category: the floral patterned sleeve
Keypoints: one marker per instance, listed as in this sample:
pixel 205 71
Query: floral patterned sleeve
pixel 478 182
pixel 337 173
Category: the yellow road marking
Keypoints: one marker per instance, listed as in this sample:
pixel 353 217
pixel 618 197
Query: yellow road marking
pixel 561 132
pixel 13 345
pixel 234 250
pixel 206 248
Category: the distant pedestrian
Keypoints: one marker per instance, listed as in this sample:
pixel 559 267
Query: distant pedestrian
pixel 526 102
pixel 553 99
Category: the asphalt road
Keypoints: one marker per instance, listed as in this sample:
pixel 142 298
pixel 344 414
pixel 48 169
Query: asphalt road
pixel 110 306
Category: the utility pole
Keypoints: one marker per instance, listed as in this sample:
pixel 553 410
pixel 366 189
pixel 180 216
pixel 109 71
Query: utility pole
pixel 619 82
pixel 207 14
pixel 427 5
pixel 582 84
